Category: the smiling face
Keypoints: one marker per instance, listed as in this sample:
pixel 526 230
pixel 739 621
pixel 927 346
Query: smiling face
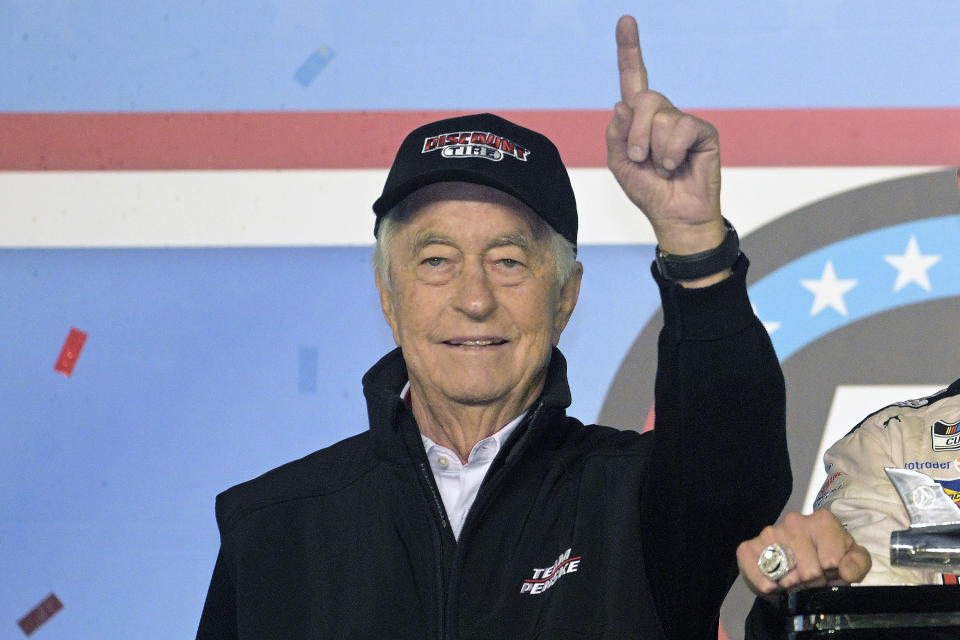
pixel 474 301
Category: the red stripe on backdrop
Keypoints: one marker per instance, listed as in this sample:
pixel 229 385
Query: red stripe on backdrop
pixel 368 139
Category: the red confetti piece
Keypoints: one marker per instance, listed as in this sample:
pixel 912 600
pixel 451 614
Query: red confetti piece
pixel 40 614
pixel 70 352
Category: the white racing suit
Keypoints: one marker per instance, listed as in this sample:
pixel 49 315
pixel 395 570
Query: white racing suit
pixel 921 435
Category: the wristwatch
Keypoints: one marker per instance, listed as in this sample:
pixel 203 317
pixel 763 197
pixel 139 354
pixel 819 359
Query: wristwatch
pixel 704 263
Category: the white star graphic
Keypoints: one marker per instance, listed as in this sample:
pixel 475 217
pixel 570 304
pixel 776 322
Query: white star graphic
pixel 912 266
pixel 769 326
pixel 828 291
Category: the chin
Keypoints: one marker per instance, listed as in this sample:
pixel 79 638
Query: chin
pixel 477 395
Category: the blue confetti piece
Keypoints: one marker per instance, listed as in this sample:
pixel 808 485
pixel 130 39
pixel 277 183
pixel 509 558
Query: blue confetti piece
pixel 313 65
pixel 309 365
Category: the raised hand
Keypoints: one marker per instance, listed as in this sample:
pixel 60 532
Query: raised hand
pixel 666 161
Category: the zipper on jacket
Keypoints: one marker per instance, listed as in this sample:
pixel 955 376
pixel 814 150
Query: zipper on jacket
pixel 438 545
pixel 483 497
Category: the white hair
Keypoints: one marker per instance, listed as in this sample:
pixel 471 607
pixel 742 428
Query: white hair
pixel 564 252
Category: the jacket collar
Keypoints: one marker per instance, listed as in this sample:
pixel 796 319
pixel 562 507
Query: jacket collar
pixel 391 422
pixel 954 388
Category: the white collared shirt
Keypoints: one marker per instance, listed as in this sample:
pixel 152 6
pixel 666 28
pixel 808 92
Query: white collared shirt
pixel 459 483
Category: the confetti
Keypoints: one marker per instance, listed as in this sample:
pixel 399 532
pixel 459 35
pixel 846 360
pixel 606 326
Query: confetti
pixel 313 65
pixel 309 362
pixel 40 614
pixel 70 352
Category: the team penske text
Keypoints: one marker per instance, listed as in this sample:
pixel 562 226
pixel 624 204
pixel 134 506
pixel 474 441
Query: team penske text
pixel 545 578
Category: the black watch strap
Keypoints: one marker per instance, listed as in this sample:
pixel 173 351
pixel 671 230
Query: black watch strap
pixel 702 264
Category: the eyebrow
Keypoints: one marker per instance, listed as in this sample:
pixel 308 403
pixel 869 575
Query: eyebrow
pixel 515 239
pixel 426 238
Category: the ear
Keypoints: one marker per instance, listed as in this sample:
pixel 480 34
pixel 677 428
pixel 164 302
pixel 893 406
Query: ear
pixel 566 302
pixel 387 306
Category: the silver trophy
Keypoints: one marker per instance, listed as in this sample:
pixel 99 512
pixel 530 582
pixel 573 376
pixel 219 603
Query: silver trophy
pixel 933 539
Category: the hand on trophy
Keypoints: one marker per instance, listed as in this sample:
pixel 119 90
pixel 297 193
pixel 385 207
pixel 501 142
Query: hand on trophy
pixel 801 551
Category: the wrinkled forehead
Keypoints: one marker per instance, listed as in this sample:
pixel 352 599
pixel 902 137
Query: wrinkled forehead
pixel 427 198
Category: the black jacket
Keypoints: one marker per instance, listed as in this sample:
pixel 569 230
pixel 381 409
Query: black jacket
pixel 577 532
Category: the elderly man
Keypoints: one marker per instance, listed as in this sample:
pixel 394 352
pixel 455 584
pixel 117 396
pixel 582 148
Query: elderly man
pixel 474 507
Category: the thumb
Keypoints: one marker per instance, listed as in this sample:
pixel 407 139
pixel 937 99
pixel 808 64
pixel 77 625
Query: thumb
pixel 855 564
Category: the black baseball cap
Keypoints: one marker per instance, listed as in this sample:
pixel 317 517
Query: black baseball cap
pixel 489 150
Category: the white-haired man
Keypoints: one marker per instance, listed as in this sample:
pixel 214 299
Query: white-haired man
pixel 474 507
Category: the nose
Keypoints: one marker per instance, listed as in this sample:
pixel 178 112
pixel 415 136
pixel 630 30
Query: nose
pixel 474 294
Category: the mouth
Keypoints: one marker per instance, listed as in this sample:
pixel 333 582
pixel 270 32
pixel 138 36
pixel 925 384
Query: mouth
pixel 475 343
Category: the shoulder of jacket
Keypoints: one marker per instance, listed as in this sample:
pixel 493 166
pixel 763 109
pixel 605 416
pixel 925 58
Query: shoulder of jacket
pixel 946 401
pixel 320 473
pixel 600 440
pixel 898 413
pixel 567 439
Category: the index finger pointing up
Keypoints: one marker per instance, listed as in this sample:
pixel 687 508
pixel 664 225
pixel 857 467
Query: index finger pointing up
pixel 633 75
